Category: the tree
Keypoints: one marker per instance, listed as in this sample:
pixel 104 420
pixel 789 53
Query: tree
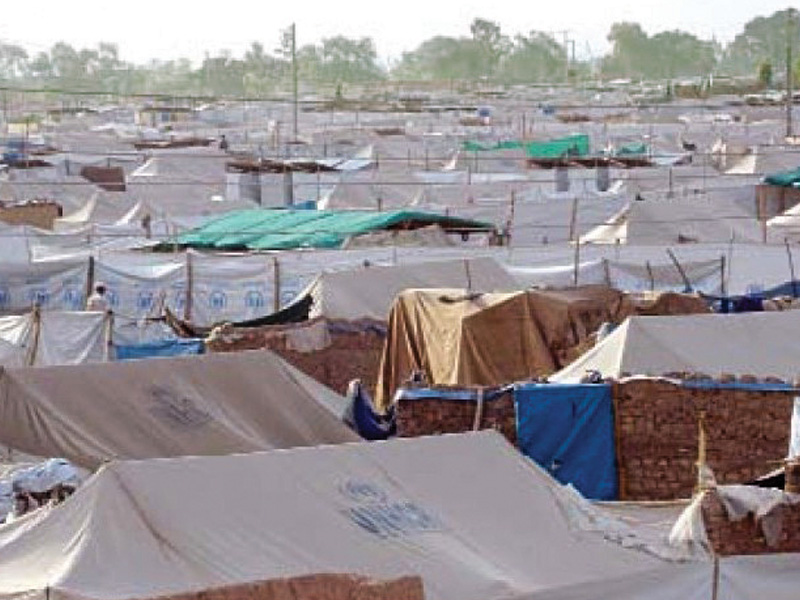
pixel 763 39
pixel 667 54
pixel 348 60
pixel 442 58
pixel 491 42
pixel 765 74
pixel 535 57
pixel 13 61
pixel 629 51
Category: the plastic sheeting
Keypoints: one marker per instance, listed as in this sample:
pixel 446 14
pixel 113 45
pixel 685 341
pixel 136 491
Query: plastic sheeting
pixel 177 347
pixel 569 431
pixel 63 338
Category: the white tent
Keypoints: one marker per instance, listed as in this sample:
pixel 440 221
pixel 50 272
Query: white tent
pixel 677 220
pixel 368 292
pixel 477 522
pixel 212 404
pixel 762 344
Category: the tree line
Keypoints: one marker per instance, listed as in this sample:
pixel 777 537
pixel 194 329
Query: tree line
pixel 485 53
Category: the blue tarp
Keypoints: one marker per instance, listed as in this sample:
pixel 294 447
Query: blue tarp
pixel 569 431
pixel 163 348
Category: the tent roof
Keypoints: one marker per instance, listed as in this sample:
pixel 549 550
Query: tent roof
pixel 369 292
pixel 678 220
pixel 277 229
pixel 762 344
pixel 158 527
pixel 212 404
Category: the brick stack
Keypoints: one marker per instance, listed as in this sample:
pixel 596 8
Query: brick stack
pixel 431 416
pixel 657 433
pixel 354 353
pixel 729 538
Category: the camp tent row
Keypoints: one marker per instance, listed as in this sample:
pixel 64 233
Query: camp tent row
pixel 168 527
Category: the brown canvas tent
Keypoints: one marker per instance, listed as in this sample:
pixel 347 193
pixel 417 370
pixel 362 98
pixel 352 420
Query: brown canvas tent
pixel 212 404
pixel 488 339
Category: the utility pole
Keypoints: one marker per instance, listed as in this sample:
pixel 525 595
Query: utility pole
pixel 790 35
pixel 294 80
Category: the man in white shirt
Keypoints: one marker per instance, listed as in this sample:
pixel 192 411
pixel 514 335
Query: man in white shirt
pixel 98 301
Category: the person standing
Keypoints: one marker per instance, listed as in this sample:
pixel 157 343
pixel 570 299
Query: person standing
pixel 98 301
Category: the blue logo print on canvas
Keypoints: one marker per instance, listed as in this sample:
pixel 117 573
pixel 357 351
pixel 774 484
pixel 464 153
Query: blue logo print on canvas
pixel 112 297
pixel 5 298
pixel 72 298
pixel 217 300
pixel 376 512
pixel 144 301
pixel 39 296
pixel 254 299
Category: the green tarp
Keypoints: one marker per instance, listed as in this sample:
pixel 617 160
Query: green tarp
pixel 574 145
pixel 784 178
pixel 281 229
pixel 473 146
pixel 632 149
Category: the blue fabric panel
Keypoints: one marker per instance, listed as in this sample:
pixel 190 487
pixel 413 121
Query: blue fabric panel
pixel 156 349
pixel 569 431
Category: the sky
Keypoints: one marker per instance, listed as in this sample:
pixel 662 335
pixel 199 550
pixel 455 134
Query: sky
pixel 168 29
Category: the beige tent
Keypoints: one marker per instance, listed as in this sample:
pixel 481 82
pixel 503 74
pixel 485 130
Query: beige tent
pixel 762 344
pixel 213 404
pixel 477 521
pixel 455 337
pixel 369 292
pixel 678 220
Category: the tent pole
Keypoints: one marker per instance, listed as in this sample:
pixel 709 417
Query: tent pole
pixel 722 275
pixel 686 282
pixel 576 263
pixel 37 330
pixel 276 276
pixel 650 275
pixel 791 267
pixel 187 309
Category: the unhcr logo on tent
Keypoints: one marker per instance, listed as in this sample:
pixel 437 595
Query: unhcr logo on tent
pixel 379 515
pixel 179 412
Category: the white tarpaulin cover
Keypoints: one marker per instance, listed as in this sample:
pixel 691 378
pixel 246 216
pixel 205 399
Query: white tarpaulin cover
pixel 705 276
pixel 477 522
pixel 64 338
pixel 762 343
pixel 370 291
pixel 211 404
pixel 52 286
pixel 231 288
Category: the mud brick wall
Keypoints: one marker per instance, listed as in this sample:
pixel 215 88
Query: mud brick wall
pixel 321 586
pixel 657 435
pixel 431 416
pixel 37 214
pixel 351 355
pixel 729 538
